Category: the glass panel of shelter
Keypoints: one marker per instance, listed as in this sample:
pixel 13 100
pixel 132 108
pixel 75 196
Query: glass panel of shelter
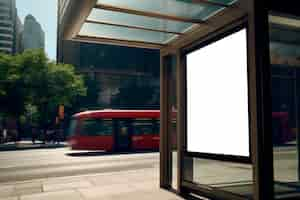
pixel 285 62
pixel 171 65
pixel 123 33
pixel 156 22
pixel 180 8
pixel 285 59
pixel 125 19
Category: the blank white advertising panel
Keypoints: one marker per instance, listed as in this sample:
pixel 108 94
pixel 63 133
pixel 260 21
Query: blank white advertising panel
pixel 217 98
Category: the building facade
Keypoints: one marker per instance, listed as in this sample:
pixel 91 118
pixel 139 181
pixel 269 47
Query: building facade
pixel 33 36
pixel 19 34
pixel 115 69
pixel 8 26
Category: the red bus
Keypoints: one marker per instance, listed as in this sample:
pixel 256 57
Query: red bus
pixel 115 130
pixel 282 133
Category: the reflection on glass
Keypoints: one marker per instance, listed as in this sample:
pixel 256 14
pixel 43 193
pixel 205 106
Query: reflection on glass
pixel 235 178
pixel 122 33
pixel 173 115
pixel 285 63
pixel 138 21
pixel 228 2
pixel 170 64
pixel 181 8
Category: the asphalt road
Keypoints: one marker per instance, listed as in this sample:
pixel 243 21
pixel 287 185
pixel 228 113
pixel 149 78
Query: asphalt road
pixel 60 162
pixel 45 163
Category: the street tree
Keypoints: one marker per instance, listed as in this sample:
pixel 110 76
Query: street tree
pixel 31 80
pixel 12 96
pixel 50 84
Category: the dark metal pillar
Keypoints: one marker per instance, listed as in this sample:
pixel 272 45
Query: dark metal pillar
pixel 260 87
pixel 164 112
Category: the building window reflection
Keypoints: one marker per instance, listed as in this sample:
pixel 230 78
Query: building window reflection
pixel 285 67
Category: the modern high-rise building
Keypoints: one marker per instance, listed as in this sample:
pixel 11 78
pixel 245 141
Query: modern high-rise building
pixel 33 36
pixel 8 25
pixel 18 35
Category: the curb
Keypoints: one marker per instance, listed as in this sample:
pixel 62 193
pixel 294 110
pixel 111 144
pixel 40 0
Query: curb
pixel 22 148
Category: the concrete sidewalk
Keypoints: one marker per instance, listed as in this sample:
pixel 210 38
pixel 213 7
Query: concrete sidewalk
pixel 126 185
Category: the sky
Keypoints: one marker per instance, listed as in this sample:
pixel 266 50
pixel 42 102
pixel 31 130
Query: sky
pixel 45 12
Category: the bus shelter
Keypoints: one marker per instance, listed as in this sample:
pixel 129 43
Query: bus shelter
pixel 217 118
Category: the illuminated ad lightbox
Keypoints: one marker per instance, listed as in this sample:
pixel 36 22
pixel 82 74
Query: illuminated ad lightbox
pixel 217 98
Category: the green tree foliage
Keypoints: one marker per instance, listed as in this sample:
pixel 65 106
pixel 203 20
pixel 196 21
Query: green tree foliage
pixel 31 79
pixel 90 101
pixel 12 96
pixel 9 70
pixel 50 82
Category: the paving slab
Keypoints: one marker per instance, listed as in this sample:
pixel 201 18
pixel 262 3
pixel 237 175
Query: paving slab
pixel 161 194
pixel 28 188
pixel 133 185
pixel 67 185
pixel 99 192
pixel 7 191
pixel 101 180
pixel 67 179
pixel 146 185
pixel 131 196
pixel 59 195
pixel 9 198
pixel 145 195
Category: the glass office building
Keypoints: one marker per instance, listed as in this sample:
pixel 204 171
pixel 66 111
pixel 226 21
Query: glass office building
pixel 229 88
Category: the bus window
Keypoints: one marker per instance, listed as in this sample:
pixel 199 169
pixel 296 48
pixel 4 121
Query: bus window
pixel 123 136
pixel 124 127
pixel 143 127
pixel 156 127
pixel 96 127
pixel 72 128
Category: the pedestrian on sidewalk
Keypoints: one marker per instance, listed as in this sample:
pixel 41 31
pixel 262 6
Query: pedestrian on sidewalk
pixel 4 136
pixel 33 134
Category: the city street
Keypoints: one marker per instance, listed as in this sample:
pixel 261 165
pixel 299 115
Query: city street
pixel 45 174
pixel 60 173
pixel 45 163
